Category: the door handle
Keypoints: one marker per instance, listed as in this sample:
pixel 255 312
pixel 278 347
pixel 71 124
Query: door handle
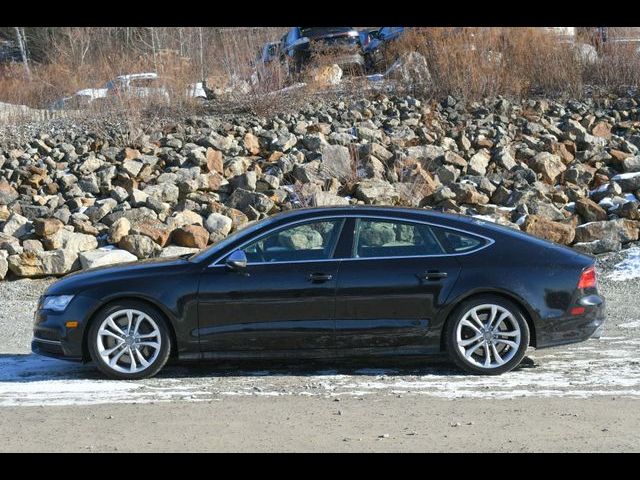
pixel 320 277
pixel 432 275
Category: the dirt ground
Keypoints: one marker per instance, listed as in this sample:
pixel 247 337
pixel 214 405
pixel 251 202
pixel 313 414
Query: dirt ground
pixel 316 424
pixel 582 397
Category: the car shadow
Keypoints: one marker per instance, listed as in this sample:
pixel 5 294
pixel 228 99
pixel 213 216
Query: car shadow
pixel 35 368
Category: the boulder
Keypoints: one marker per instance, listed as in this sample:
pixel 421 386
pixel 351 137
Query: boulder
pixel 175 251
pixel 104 256
pixel 244 200
pixel 376 192
pixel 548 165
pixel 38 264
pixel 467 193
pixel 44 227
pixel 251 143
pixel 140 245
pixel 336 162
pixel 590 211
pixel 8 194
pixel 218 224
pixel 327 199
pixel 70 241
pixel 621 230
pixel 118 229
pixel 478 163
pixel 17 226
pixel 598 246
pixel 193 236
pixel 156 230
pixel 562 233
pixel 4 264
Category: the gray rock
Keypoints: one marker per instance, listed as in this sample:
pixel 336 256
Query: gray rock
pixel 165 192
pixel 376 192
pixel 140 245
pixel 38 264
pixel 175 251
pixel 243 200
pixel 4 264
pixel 336 162
pixel 104 256
pixel 17 226
pixel 478 163
pixel 8 194
pixel 326 199
pixel 219 224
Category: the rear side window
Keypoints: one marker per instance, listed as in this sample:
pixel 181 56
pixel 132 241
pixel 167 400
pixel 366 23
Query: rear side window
pixel 459 242
pixel 391 238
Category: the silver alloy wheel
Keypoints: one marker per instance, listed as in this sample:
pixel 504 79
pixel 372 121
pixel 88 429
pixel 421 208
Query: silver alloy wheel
pixel 488 336
pixel 128 341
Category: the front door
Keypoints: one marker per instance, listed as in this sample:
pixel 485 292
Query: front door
pixel 283 300
pixel 392 287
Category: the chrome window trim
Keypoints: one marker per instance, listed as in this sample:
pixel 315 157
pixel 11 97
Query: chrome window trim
pixel 490 241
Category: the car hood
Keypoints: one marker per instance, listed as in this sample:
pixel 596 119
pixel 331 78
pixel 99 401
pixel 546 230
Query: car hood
pixel 85 279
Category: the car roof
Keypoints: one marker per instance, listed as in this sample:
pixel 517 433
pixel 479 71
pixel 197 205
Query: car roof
pixel 387 210
pixel 138 75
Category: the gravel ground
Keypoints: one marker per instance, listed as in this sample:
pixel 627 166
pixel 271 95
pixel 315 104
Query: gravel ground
pixel 567 393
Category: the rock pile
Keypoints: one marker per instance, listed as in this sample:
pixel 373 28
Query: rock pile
pixel 565 171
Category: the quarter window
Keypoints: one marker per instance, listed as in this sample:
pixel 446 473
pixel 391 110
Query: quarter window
pixel 391 238
pixel 458 242
pixel 309 241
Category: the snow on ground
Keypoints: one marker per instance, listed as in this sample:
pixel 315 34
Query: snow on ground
pixel 629 268
pixel 608 366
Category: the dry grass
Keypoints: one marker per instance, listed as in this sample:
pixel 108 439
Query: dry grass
pixel 469 63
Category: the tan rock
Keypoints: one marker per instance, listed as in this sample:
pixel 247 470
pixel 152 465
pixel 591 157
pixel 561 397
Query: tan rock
pixel 602 129
pixel 549 230
pixel 214 160
pixel 154 229
pixel 251 143
pixel 118 230
pixel 193 236
pixel 590 211
pixel 46 226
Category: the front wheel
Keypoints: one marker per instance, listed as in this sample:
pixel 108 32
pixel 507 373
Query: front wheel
pixel 129 341
pixel 487 335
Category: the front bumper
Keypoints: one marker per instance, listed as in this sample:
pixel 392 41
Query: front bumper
pixel 573 329
pixel 51 336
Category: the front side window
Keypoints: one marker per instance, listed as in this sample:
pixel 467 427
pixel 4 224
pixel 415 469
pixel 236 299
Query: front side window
pixel 308 241
pixel 392 238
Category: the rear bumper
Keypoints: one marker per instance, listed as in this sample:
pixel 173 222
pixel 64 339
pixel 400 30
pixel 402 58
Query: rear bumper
pixel 573 329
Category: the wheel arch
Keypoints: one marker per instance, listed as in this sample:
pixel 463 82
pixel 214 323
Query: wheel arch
pixel 528 312
pixel 140 299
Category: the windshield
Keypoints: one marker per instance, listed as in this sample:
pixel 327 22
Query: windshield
pixel 313 32
pixel 250 228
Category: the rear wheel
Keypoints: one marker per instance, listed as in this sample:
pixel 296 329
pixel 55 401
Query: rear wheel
pixel 487 335
pixel 129 341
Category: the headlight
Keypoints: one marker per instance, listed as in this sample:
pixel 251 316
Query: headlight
pixel 57 303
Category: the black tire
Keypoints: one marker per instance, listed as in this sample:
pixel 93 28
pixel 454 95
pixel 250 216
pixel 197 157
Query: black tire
pixel 165 340
pixel 461 361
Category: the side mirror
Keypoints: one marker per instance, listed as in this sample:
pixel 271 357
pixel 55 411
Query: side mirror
pixel 237 260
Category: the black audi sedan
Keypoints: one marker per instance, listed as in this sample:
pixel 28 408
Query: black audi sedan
pixel 329 283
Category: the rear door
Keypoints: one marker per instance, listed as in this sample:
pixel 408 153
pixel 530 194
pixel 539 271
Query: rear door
pixel 389 291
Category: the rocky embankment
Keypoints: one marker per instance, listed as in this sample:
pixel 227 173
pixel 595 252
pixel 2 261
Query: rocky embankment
pixel 76 198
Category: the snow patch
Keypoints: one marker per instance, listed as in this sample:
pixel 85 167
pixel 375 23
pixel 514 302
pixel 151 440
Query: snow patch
pixel 634 324
pixel 629 268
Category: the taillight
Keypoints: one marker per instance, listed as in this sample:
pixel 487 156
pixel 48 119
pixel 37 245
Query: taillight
pixel 588 279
